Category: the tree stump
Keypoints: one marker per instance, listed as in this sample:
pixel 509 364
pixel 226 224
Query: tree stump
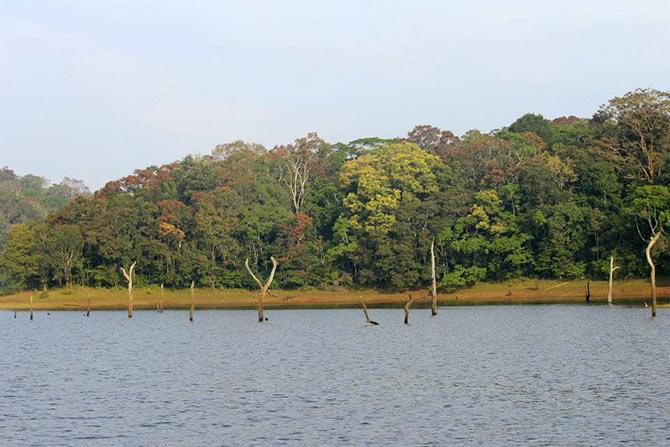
pixel 191 311
pixel 588 291
pixel 609 288
pixel 160 303
pixel 433 289
pixel 406 307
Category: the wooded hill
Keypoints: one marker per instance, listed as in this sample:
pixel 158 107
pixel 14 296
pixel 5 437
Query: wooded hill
pixel 540 198
pixel 30 197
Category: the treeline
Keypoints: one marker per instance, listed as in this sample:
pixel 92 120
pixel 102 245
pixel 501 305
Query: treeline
pixel 540 198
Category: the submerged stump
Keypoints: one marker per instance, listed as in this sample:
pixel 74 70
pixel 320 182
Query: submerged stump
pixel 406 308
pixel 192 309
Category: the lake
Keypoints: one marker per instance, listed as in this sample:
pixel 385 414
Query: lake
pixel 490 375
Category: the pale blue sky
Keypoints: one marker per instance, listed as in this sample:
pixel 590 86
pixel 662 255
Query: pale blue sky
pixel 93 89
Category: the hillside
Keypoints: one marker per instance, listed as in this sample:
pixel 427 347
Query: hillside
pixel 29 197
pixel 545 198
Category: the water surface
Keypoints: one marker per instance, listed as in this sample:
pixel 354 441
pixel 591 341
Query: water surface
pixel 493 375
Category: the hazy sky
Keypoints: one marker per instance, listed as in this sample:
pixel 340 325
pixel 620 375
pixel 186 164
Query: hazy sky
pixel 93 89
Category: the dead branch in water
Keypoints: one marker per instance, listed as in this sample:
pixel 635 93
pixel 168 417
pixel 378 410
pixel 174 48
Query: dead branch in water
pixel 557 285
pixel 365 311
pixel 406 307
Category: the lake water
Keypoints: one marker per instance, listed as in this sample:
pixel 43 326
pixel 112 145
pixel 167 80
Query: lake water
pixel 497 375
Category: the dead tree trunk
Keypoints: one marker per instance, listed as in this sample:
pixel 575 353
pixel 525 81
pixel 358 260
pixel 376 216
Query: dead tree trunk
pixel 160 303
pixel 31 307
pixel 609 288
pixel 129 278
pixel 647 252
pixel 190 313
pixel 406 307
pixel 433 290
pixel 264 288
pixel 365 311
pixel 588 291
pixel 88 303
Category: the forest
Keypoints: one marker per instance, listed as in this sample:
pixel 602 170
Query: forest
pixel 541 198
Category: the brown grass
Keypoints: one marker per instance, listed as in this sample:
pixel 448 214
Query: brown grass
pixel 523 291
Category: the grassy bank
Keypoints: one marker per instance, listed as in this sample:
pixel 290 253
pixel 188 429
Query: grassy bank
pixel 524 291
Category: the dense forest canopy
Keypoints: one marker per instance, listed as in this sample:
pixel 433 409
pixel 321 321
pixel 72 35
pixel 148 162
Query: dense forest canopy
pixel 29 197
pixel 540 198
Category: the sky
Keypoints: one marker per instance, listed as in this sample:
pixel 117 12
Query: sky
pixel 94 89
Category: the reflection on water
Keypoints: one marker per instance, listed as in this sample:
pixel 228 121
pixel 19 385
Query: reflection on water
pixel 517 375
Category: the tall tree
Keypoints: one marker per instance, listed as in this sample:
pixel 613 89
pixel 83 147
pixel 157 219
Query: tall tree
pixel 64 251
pixel 639 137
pixel 297 161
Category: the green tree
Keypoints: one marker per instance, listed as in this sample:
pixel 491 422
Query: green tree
pixel 639 134
pixel 532 123
pixel 20 260
pixel 64 250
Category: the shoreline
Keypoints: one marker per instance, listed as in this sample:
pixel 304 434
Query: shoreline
pixel 515 292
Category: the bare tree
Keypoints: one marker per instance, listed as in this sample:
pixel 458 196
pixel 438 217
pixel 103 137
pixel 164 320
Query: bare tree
pixel 650 261
pixel 651 205
pixel 264 287
pixel 298 161
pixel 609 289
pixel 129 277
pixel 88 303
pixel 31 307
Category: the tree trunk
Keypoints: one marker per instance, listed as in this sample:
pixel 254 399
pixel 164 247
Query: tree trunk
pixel 31 307
pixel 131 303
pixel 647 252
pixel 588 291
pixel 365 311
pixel 609 289
pixel 433 290
pixel 88 304
pixel 406 307
pixel 264 288
pixel 190 313
pixel 160 303
pixel 129 277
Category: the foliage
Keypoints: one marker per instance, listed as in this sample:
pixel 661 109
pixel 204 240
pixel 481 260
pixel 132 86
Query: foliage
pixel 540 198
